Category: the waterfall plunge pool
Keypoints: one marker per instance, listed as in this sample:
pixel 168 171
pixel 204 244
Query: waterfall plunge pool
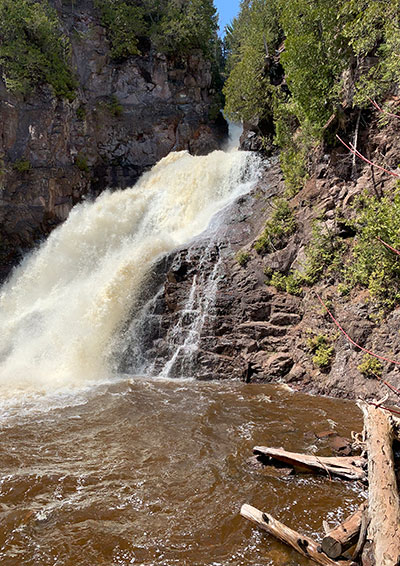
pixel 153 472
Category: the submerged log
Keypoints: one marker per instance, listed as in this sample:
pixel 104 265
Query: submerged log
pixel 344 535
pixel 304 545
pixel 343 466
pixel 384 505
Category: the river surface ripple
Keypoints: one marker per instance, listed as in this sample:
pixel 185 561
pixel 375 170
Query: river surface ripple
pixel 151 472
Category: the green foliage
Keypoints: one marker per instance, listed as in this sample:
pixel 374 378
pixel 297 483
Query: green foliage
pixel 243 258
pixel 371 264
pixel 125 22
pixel 314 57
pixel 81 113
pixel 255 30
pixel 372 28
pixel 82 163
pixel 295 140
pixel 33 50
pixel 370 367
pixel 322 40
pixel 22 165
pixel 343 289
pixel 278 229
pixel 322 352
pixel 290 283
pixel 323 254
pixel 173 26
pixel 114 106
pixel 188 25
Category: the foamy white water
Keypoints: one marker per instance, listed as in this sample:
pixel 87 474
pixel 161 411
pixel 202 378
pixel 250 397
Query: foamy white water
pixel 62 307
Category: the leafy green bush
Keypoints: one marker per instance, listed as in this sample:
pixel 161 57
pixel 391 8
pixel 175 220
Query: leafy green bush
pixel 243 258
pixel 278 229
pixel 33 50
pixel 255 30
pixel 372 28
pixel 81 113
pixel 22 165
pixel 371 264
pixel 328 46
pixel 343 289
pixel 290 283
pixel 324 254
pixel 82 163
pixel 321 350
pixel 114 106
pixel 370 367
pixel 187 25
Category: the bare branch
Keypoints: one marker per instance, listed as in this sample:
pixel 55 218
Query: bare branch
pixel 358 154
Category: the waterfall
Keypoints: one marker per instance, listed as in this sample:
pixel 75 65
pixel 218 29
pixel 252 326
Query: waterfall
pixel 184 337
pixel 62 308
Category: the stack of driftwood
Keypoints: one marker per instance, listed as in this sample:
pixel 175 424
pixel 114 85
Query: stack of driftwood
pixel 371 535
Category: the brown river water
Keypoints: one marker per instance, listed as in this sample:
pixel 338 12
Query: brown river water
pixel 149 472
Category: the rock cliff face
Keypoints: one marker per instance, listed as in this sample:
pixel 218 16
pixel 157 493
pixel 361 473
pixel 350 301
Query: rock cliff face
pixel 251 331
pixel 124 119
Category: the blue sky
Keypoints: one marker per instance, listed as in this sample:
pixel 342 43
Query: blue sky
pixel 227 9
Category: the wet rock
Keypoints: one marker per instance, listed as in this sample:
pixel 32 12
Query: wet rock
pixel 341 446
pixel 296 374
pixel 279 364
pixel 325 434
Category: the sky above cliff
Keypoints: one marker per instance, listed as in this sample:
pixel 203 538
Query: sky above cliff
pixel 227 9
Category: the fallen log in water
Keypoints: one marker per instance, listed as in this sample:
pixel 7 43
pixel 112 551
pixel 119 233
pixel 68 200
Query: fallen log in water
pixel 384 506
pixel 344 466
pixel 304 545
pixel 344 535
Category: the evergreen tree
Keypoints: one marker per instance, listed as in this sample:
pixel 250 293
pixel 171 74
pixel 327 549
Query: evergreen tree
pixel 33 50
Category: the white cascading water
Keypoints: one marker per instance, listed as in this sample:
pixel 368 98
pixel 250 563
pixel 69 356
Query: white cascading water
pixel 61 309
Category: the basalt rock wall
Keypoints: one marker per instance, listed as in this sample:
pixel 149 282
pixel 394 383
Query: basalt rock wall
pixel 251 330
pixel 125 117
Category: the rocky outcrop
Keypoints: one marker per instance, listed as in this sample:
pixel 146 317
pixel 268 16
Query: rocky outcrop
pixel 125 118
pixel 253 332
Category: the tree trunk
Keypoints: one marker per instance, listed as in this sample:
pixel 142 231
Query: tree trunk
pixel 384 506
pixel 304 545
pixel 345 467
pixel 344 535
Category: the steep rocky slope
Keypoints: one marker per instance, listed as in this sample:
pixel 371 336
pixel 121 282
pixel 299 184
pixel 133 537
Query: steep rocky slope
pixel 125 117
pixel 255 332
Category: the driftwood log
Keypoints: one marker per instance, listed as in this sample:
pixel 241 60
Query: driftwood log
pixel 344 467
pixel 384 507
pixel 304 545
pixel 344 535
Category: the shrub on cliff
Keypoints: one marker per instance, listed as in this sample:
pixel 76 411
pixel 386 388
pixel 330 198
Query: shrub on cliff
pixel 33 50
pixel 278 229
pixel 322 352
pixel 188 25
pixel 371 264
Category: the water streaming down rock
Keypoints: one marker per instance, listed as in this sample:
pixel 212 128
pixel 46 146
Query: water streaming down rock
pixel 63 307
pixel 183 340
